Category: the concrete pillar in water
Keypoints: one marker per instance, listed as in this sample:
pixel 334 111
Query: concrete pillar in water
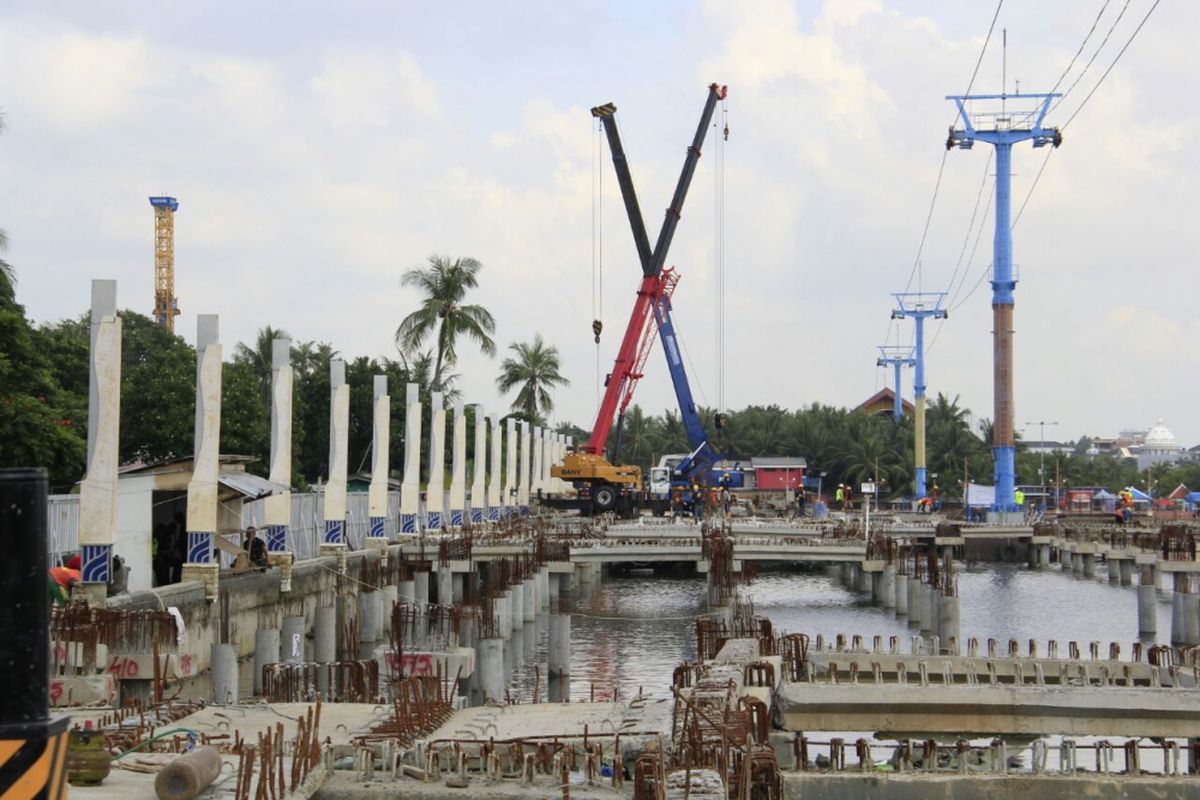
pixel 900 588
pixel 478 502
pixel 224 674
pixel 325 635
pixel 98 490
pixel 864 582
pixel 290 645
pixel 406 591
pixel 1147 612
pixel 914 601
pixel 410 487
pixel 491 669
pixel 887 586
pixel 1089 565
pixel 370 617
pixel 1179 606
pixel 1043 556
pixel 435 491
pixel 559 654
pixel 529 604
pixel 877 588
pixel 503 608
pixel 458 468
pixel 929 609
pixel 445 586
pixel 1192 618
pixel 494 475
pixel 947 626
pixel 1126 568
pixel 277 508
pixel 554 588
pixel 543 576
pixel 517 605
pixel 1114 570
pixel 266 651
pixel 1077 563
pixel 334 542
pixel 202 563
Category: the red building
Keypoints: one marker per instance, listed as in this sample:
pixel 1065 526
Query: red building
pixel 778 473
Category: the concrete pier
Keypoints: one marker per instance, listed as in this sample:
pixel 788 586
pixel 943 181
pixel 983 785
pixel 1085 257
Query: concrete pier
pixel 491 669
pixel 421 588
pixel 1146 595
pixel 912 586
pixel 1043 556
pixel 504 614
pixel 900 588
pixel 1089 564
pixel 224 674
pixel 948 619
pixel 529 604
pixel 517 606
pixel 370 617
pixel 887 585
pixel 559 655
pixel 388 596
pixel 445 587
pixel 325 635
pixel 1126 569
pixel 1114 570
pixel 266 651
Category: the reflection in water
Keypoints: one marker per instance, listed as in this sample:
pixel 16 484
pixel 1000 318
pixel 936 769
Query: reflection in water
pixel 633 631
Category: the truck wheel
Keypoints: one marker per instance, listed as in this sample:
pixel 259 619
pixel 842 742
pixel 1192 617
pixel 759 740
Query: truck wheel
pixel 604 499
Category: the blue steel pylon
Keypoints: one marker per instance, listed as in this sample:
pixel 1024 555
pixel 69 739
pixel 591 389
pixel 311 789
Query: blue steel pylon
pixel 1003 129
pixel 919 306
pixel 896 358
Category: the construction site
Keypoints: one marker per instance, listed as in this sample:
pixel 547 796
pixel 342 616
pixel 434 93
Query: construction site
pixel 522 612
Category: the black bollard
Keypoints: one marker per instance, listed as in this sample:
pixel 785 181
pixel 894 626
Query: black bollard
pixel 32 746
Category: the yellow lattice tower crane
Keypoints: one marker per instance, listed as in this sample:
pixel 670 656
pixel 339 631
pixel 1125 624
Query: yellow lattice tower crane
pixel 166 305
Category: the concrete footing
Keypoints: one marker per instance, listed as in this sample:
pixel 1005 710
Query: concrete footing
pixel 224 674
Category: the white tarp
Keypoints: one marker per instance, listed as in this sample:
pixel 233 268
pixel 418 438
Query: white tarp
pixel 980 495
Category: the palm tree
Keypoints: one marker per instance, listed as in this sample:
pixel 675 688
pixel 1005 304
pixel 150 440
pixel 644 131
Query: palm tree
pixel 261 356
pixel 8 277
pixel 442 313
pixel 535 371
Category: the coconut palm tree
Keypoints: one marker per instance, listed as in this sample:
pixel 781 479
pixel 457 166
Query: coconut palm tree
pixel 535 370
pixel 260 357
pixel 443 314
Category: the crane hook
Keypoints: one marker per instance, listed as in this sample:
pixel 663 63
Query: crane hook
pixel 597 326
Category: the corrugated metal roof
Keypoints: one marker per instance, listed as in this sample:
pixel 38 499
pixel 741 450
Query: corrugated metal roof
pixel 247 485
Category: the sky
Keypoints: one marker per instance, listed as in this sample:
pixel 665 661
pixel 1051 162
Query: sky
pixel 319 151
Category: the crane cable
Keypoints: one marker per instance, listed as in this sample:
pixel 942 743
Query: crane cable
pixel 719 253
pixel 597 245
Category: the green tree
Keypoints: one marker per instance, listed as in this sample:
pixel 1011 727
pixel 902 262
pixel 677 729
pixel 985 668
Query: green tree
pixel 442 314
pixel 534 372
pixel 34 429
pixel 260 358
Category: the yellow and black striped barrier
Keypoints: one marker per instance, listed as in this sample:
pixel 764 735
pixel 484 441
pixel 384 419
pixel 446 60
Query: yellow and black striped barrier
pixel 35 768
pixel 33 747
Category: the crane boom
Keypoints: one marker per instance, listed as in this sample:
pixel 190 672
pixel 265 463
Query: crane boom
pixel 651 287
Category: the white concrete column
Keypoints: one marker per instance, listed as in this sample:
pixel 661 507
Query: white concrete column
pixel 377 493
pixel 277 508
pixel 458 468
pixel 201 563
pixel 435 490
pixel 478 502
pixel 494 469
pixel 548 460
pixel 535 479
pixel 339 442
pixel 410 486
pixel 523 478
pixel 98 490
pixel 510 468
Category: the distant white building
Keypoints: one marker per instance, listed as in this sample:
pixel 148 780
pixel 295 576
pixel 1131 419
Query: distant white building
pixel 1156 447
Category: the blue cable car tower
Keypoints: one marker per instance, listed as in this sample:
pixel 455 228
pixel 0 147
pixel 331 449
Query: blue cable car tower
pixel 919 306
pixel 897 358
pixel 1003 129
